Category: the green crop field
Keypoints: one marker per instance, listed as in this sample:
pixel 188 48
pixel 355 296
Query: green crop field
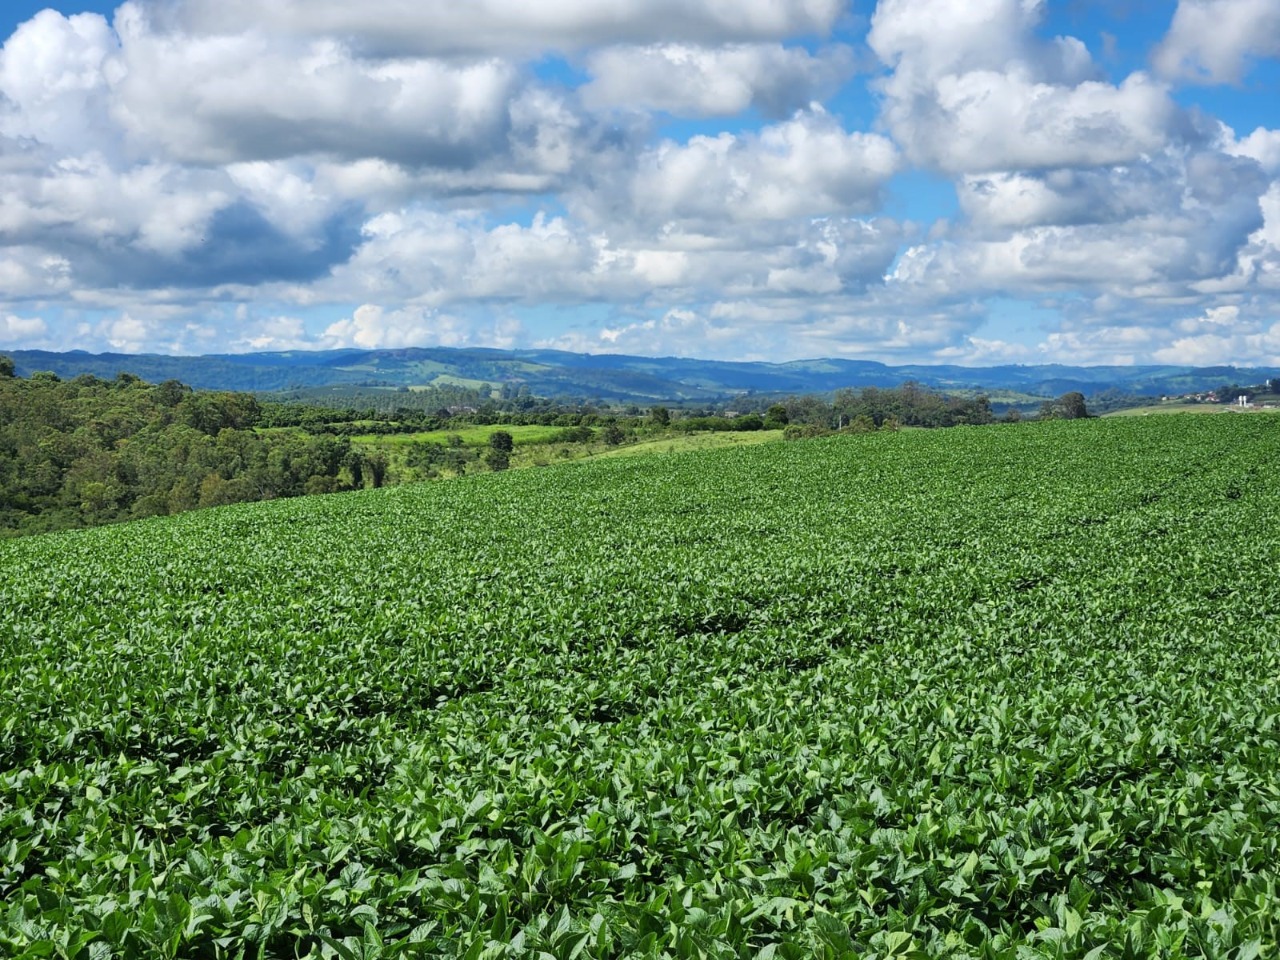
pixel 1001 692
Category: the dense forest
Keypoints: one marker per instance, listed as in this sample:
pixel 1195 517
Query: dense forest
pixel 90 451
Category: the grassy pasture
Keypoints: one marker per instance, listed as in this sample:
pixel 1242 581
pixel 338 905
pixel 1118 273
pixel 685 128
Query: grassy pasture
pixel 682 443
pixel 1000 692
pixel 472 436
pixel 1168 407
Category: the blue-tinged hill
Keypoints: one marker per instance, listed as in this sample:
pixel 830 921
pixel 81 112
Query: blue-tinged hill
pixel 616 377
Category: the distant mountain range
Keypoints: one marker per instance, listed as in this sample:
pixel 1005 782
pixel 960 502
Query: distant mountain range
pixel 610 377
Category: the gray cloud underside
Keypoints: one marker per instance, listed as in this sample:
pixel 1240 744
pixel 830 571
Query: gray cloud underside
pixel 510 27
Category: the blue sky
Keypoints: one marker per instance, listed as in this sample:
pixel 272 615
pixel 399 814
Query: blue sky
pixel 961 181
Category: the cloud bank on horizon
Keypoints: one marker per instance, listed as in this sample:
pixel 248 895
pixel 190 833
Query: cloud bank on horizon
pixel 962 181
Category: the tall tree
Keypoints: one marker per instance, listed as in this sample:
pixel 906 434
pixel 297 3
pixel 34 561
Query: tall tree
pixel 502 442
pixel 1073 406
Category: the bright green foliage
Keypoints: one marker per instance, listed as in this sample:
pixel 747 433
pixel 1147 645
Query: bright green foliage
pixel 1002 692
pixel 471 436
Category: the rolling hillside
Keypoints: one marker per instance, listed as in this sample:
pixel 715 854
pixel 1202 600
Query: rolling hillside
pixel 553 373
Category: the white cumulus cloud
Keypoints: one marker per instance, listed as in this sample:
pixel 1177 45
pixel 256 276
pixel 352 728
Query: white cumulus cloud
pixel 1262 145
pixel 21 331
pixel 704 81
pixel 973 90
pixel 806 166
pixel 250 96
pixel 1212 41
pixel 53 87
pixel 373 327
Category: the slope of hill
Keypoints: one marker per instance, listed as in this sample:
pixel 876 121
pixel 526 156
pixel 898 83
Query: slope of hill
pixel 555 373
pixel 999 691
